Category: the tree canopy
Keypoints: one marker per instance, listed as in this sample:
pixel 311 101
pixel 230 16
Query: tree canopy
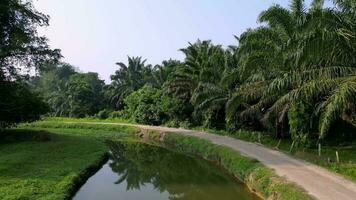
pixel 293 76
pixel 21 48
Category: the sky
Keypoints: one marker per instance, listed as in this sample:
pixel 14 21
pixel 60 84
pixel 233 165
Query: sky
pixel 95 34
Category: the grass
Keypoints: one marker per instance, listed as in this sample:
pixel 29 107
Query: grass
pixel 259 178
pixel 41 165
pixel 347 156
pixel 346 167
pixel 26 172
pixel 88 119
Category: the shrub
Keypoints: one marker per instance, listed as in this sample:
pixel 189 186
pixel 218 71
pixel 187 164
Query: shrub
pixel 121 114
pixel 300 122
pixel 172 123
pixel 186 124
pixel 153 106
pixel 144 106
pixel 103 114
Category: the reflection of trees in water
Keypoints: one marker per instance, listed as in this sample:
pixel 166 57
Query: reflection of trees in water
pixel 182 176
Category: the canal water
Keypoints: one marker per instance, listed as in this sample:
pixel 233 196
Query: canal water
pixel 138 171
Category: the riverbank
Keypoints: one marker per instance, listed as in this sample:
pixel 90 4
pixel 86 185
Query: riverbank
pixel 327 159
pixel 259 178
pixel 312 178
pixel 50 164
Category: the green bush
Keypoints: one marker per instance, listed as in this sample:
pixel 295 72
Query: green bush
pixel 186 124
pixel 144 106
pixel 155 107
pixel 121 114
pixel 300 122
pixel 103 114
pixel 172 123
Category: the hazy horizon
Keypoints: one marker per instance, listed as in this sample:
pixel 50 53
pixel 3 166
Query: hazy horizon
pixel 94 35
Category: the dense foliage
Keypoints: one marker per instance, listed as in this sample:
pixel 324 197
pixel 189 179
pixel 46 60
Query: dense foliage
pixel 19 104
pixel 293 76
pixel 20 49
pixel 301 55
pixel 152 106
pixel 69 93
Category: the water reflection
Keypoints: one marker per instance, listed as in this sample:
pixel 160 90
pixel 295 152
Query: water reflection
pixel 139 171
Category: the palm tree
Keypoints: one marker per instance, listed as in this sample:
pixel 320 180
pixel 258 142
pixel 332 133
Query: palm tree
pixel 203 67
pixel 211 98
pixel 162 73
pixel 312 60
pixel 204 62
pixel 129 78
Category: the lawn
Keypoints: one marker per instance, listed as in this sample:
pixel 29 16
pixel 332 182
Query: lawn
pixel 40 165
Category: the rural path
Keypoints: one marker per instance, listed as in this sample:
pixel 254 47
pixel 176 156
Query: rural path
pixel 319 182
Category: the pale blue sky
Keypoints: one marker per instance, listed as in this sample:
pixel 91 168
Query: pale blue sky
pixel 95 34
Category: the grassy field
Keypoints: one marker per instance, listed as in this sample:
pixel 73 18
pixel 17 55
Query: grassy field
pixel 41 165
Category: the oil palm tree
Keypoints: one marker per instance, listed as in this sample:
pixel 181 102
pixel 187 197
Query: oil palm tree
pixel 162 73
pixel 129 78
pixel 204 62
pixel 203 68
pixel 210 98
pixel 312 60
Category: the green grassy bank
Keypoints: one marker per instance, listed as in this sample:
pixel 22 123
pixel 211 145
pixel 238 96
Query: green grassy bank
pixel 51 164
pixel 327 159
pixel 347 156
pixel 259 178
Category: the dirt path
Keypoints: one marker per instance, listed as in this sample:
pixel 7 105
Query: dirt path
pixel 319 182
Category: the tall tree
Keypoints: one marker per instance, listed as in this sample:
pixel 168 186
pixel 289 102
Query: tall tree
pixel 129 78
pixel 203 66
pixel 19 41
pixel 20 48
pixel 51 82
pixel 312 62
pixel 85 94
pixel 164 72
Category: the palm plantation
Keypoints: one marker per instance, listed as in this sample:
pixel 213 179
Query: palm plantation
pixel 293 76
pixel 309 65
pixel 290 81
pixel 300 60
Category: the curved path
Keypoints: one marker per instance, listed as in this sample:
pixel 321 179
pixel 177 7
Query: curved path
pixel 319 182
